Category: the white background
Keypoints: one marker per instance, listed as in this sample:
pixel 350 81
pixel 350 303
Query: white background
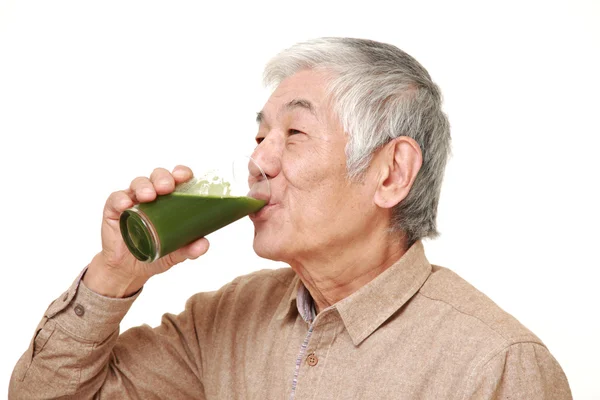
pixel 93 94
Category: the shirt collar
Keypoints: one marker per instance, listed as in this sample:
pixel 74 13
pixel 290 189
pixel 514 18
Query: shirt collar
pixel 297 299
pixel 288 304
pixel 370 306
pixel 366 309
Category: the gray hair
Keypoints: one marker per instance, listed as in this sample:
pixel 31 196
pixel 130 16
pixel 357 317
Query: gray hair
pixel 379 92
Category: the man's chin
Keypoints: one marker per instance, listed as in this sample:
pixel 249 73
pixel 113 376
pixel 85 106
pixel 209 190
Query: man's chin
pixel 266 248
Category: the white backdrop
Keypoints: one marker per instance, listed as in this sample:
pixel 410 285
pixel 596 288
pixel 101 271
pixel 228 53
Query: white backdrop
pixel 93 94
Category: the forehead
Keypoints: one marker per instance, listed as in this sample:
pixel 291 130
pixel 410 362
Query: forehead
pixel 304 87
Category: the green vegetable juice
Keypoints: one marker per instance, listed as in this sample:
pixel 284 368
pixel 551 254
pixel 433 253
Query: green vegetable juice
pixel 152 230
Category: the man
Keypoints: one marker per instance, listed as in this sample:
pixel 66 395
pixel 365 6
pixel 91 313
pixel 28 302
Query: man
pixel 355 144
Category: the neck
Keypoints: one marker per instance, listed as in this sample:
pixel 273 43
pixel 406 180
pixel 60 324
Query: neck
pixel 337 273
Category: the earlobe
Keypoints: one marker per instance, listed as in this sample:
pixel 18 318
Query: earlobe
pixel 384 195
pixel 401 160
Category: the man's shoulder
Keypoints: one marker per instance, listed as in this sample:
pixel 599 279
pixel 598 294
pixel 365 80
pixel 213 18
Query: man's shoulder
pixel 455 295
pixel 267 277
pixel 264 286
pixel 257 292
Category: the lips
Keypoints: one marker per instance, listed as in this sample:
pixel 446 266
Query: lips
pixel 263 213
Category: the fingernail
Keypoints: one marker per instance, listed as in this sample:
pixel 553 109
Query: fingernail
pixel 147 191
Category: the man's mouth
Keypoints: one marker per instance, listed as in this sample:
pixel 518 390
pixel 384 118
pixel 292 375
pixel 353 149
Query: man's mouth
pixel 263 213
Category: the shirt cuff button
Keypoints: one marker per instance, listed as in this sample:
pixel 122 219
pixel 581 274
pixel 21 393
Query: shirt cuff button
pixel 79 311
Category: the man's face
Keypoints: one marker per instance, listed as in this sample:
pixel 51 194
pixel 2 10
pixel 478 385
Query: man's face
pixel 314 207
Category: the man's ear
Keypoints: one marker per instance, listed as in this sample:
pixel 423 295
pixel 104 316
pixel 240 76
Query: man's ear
pixel 399 161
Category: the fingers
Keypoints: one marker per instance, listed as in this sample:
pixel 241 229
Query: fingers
pixel 191 252
pixel 181 173
pixel 160 182
pixel 116 203
pixel 146 189
pixel 142 189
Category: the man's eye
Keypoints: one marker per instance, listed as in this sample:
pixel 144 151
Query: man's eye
pixel 294 131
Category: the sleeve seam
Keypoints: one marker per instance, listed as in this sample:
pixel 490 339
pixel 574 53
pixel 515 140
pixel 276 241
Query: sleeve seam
pixel 467 314
pixel 490 356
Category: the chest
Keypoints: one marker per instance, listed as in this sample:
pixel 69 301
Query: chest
pixel 295 360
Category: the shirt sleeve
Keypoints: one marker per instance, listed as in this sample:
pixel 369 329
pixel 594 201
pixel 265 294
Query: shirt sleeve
pixel 521 371
pixel 77 352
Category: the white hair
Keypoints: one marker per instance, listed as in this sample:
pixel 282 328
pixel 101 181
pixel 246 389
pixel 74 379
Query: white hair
pixel 379 92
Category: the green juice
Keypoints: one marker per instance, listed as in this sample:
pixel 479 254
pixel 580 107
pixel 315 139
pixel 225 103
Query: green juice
pixel 152 230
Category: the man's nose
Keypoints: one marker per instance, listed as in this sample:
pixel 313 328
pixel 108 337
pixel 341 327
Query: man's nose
pixel 268 155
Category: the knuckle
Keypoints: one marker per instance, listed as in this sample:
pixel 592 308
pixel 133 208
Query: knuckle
pixel 170 259
pixel 115 196
pixel 140 180
pixel 163 179
pixel 158 173
pixel 182 168
pixel 115 201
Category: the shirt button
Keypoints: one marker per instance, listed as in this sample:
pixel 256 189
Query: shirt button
pixel 79 311
pixel 312 359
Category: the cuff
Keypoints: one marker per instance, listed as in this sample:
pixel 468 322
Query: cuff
pixel 88 315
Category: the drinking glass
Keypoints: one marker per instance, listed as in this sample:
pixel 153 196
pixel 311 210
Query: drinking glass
pixel 196 208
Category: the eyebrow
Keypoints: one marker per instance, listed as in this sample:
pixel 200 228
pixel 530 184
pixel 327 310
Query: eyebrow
pixel 301 103
pixel 291 105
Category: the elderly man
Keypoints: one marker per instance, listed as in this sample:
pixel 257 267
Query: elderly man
pixel 355 143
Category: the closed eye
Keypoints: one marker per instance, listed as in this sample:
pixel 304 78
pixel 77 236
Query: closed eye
pixel 294 131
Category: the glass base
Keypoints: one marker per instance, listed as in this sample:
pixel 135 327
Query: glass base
pixel 139 235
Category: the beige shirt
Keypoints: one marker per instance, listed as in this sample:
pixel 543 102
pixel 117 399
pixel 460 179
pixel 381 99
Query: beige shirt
pixel 416 331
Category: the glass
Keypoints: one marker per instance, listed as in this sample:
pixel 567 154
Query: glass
pixel 196 208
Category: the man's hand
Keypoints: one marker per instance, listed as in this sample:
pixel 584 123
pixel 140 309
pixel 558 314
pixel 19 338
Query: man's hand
pixel 115 272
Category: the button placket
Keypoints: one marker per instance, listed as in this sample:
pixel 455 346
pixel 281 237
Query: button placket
pixel 313 365
pixel 321 329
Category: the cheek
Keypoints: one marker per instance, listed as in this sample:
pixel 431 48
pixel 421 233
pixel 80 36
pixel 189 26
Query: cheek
pixel 309 167
pixel 316 183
